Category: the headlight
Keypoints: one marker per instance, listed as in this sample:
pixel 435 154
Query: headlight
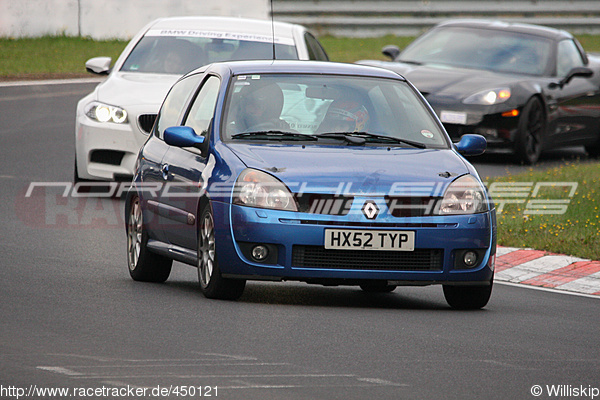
pixel 258 189
pixel 105 113
pixel 464 196
pixel 489 97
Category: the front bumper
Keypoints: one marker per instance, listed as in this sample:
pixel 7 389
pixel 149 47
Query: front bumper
pixel 296 246
pixel 499 131
pixel 107 151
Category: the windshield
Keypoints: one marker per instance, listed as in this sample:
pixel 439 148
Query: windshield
pixel 484 49
pixel 159 52
pixel 329 108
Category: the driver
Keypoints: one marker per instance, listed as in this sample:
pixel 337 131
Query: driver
pixel 345 116
pixel 260 108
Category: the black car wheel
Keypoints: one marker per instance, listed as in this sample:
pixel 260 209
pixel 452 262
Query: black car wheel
pixel 593 150
pixel 468 297
pixel 532 128
pixel 143 265
pixel 212 284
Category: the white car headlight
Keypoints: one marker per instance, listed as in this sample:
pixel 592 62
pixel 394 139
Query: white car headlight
pixel 105 113
pixel 464 196
pixel 258 189
pixel 489 97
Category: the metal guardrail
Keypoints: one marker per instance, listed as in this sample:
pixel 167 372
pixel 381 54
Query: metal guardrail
pixel 364 18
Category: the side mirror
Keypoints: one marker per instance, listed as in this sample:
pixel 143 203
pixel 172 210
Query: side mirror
pixel 182 136
pixel 582 72
pixel 471 145
pixel 98 65
pixel 391 51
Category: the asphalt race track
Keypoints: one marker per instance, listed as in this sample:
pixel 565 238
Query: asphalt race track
pixel 71 317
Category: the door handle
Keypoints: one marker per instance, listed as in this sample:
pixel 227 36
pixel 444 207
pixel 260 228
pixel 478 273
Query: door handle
pixel 164 169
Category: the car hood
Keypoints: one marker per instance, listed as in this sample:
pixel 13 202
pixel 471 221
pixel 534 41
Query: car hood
pixel 135 89
pixel 446 84
pixel 355 170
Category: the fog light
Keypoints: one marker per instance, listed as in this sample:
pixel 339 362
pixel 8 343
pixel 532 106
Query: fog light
pixel 260 252
pixel 470 258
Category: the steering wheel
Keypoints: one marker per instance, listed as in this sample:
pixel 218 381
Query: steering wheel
pixel 264 126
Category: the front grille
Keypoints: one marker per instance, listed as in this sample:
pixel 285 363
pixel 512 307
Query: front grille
pixel 110 157
pixel 327 204
pixel 319 257
pixel 414 206
pixel 146 122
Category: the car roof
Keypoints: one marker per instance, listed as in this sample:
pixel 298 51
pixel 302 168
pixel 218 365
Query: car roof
pixel 531 29
pixel 301 67
pixel 226 24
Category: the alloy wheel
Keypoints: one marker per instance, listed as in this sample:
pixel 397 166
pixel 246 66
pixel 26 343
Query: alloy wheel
pixel 134 233
pixel 206 249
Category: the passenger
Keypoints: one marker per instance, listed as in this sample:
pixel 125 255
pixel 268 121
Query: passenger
pixel 344 116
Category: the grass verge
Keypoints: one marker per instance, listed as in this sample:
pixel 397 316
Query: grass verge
pixel 52 56
pixel 556 210
pixel 65 56
pixel 354 49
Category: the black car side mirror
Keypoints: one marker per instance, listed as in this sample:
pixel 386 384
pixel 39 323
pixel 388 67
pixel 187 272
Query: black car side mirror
pixel 582 72
pixel 391 51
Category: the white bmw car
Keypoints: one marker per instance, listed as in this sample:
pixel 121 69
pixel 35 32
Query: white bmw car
pixel 114 120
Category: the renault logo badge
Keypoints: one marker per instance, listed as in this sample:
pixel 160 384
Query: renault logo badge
pixel 370 209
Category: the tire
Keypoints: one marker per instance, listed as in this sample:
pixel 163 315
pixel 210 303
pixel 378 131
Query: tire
pixel 212 284
pixel 532 129
pixel 377 287
pixel 144 265
pixel 468 297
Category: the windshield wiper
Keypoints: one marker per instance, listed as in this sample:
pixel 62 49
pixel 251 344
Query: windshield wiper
pixel 357 138
pixel 347 136
pixel 372 137
pixel 273 135
pixel 393 139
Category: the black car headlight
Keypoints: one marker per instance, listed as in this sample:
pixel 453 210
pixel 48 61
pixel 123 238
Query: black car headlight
pixel 489 97
pixel 258 189
pixel 105 113
pixel 466 195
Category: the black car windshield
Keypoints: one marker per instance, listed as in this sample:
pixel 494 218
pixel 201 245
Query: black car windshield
pixel 165 54
pixel 486 49
pixel 331 109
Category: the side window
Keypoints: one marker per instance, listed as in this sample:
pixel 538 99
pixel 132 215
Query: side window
pixel 203 107
pixel 315 50
pixel 568 57
pixel 172 107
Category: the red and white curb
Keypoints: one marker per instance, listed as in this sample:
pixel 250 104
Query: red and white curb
pixel 547 270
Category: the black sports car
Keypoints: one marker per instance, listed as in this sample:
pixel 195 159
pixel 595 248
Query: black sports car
pixel 523 87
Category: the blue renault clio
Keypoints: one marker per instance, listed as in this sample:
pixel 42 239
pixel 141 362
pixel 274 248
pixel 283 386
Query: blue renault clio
pixel 326 173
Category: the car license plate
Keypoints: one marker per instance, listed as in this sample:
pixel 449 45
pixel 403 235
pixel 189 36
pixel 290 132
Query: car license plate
pixel 354 239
